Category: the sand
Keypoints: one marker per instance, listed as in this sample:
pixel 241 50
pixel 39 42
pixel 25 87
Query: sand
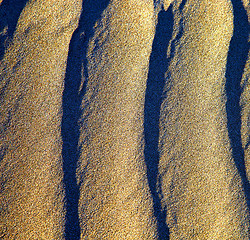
pixel 124 119
pixel 202 188
pixel 32 74
pixel 115 201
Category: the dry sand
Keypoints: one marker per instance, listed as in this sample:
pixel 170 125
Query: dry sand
pixel 202 188
pixel 115 201
pixel 85 154
pixel 32 74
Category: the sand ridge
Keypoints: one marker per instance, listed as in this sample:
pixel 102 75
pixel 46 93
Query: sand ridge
pixel 200 179
pixel 32 73
pixel 82 155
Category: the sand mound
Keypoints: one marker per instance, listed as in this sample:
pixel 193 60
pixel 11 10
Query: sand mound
pixel 124 119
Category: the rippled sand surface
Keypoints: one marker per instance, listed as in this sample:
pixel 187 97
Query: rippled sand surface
pixel 124 119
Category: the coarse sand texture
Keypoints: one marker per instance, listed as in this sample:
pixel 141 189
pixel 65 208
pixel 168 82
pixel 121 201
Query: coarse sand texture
pixel 124 120
pixel 202 189
pixel 32 74
pixel 115 201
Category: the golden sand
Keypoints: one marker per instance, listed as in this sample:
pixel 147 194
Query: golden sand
pixel 32 74
pixel 115 201
pixel 202 189
pixel 200 184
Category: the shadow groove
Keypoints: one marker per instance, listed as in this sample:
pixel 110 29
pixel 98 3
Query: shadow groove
pixel 10 11
pixel 236 61
pixel 75 81
pixel 155 85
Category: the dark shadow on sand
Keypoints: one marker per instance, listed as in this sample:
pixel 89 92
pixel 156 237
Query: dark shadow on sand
pixel 155 84
pixel 10 11
pixel 74 89
pixel 237 57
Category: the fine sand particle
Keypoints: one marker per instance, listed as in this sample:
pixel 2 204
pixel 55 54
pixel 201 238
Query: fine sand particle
pixel 32 73
pixel 74 120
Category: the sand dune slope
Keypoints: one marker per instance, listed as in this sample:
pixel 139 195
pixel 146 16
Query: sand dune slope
pixel 124 119
pixel 32 73
pixel 115 201
pixel 202 187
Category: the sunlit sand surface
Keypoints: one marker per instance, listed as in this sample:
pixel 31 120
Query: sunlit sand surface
pixel 124 119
